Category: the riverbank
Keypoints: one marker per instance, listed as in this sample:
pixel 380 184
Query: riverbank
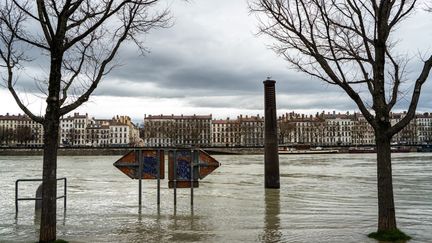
pixel 89 151
pixel 83 151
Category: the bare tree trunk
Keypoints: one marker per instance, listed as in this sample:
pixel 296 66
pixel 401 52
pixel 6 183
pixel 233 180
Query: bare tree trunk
pixel 386 208
pixel 51 135
pixel 49 184
pixel 91 36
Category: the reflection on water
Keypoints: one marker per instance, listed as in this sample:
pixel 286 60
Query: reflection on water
pixel 323 198
pixel 272 230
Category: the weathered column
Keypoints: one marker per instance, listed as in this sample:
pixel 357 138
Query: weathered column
pixel 38 203
pixel 271 156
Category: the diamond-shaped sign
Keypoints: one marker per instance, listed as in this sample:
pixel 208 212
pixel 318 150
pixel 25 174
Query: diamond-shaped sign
pixel 182 161
pixel 207 164
pixel 151 160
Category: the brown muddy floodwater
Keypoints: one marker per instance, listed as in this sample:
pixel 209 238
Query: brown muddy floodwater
pixel 323 198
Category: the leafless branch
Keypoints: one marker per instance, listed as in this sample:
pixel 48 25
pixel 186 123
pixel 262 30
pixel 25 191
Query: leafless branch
pixel 81 38
pixel 346 43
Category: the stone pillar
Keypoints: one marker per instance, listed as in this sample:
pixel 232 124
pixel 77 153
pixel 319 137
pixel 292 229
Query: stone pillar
pixel 38 203
pixel 271 156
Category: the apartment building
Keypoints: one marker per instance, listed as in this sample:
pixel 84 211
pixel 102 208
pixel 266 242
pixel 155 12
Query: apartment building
pixel 297 128
pixel 81 130
pixel 171 130
pixel 251 131
pixel 418 131
pixel 73 130
pixel 226 133
pixel 321 129
pixel 336 129
pixel 20 130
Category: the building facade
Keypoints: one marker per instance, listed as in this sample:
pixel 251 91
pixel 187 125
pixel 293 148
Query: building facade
pixel 321 129
pixel 81 130
pixel 251 131
pixel 167 131
pixel 331 129
pixel 226 133
pixel 245 131
pixel 20 130
pixel 73 130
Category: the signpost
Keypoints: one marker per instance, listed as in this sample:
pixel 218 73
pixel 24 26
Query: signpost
pixel 207 164
pixel 185 168
pixel 180 167
pixel 143 164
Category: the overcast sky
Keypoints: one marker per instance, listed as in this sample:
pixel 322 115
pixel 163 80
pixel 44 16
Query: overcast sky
pixel 211 62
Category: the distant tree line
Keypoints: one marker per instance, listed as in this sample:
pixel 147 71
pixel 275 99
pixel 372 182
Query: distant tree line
pixel 22 135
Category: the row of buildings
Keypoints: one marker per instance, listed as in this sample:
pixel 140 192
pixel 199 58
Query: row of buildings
pixel 321 129
pixel 75 130
pixel 202 131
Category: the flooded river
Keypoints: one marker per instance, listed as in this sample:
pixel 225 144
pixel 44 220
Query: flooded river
pixel 323 198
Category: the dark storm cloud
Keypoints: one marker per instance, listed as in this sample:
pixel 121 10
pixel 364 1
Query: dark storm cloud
pixel 206 74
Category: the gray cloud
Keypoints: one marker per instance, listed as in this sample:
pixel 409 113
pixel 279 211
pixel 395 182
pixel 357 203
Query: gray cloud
pixel 211 58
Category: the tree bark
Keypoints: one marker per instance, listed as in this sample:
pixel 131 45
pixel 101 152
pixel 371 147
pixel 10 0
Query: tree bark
pixel 49 184
pixel 386 208
pixel 51 136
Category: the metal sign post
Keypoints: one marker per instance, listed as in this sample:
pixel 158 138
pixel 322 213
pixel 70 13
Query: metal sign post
pixel 158 176
pixel 186 168
pixel 143 164
pixel 140 169
pixel 175 177
pixel 193 160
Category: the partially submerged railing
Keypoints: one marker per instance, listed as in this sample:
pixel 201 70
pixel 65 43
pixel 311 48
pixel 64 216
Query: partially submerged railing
pixel 17 198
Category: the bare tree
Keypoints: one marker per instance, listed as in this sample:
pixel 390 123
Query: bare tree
pixel 72 137
pixel 6 135
pixel 151 130
pixel 172 132
pixel 195 131
pixel 80 39
pixel 23 134
pixel 349 43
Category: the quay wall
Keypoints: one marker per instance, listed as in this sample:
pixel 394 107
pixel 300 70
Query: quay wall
pixel 83 151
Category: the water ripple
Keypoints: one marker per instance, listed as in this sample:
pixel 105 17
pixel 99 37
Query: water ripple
pixel 323 198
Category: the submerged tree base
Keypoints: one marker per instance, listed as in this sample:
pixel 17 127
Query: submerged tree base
pixel 60 241
pixel 391 235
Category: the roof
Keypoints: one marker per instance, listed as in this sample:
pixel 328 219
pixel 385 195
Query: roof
pixel 205 117
pixel 15 117
pixel 251 119
pixel 227 121
pixel 116 123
